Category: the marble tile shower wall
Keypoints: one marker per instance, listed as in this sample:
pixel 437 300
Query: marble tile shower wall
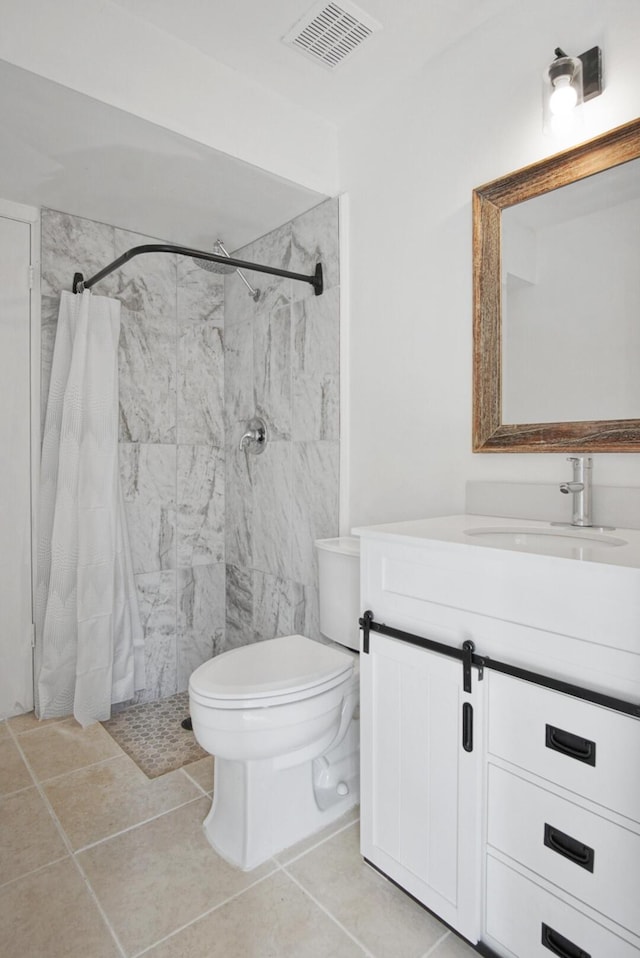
pixel 282 363
pixel 171 430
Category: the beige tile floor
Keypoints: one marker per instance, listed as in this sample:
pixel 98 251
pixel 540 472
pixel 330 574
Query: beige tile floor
pixel 97 861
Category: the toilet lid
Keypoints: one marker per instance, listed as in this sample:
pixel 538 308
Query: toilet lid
pixel 284 665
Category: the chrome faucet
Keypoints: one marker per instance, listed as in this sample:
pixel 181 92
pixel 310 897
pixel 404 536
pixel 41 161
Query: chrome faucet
pixel 580 488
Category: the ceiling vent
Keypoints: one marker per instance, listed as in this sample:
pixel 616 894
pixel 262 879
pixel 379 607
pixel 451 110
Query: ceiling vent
pixel 331 32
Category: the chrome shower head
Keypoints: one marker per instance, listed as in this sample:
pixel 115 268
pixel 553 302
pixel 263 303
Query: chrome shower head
pixel 214 267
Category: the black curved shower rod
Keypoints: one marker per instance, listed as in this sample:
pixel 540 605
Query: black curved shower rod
pixel 80 283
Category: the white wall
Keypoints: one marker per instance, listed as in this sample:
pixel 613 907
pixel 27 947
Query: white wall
pixel 101 50
pixel 409 167
pixel 19 367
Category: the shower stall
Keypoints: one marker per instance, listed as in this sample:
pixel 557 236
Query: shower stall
pixel 222 541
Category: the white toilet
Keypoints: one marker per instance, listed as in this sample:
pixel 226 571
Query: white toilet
pixel 279 717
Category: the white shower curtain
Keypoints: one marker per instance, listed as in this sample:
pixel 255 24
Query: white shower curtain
pixel 89 642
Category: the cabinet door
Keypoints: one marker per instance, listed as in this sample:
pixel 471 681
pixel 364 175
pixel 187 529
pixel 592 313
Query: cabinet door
pixel 420 794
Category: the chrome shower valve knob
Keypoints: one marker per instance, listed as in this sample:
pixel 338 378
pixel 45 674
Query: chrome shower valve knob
pixel 254 439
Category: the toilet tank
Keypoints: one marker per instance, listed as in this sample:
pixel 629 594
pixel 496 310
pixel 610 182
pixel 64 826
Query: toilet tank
pixel 339 589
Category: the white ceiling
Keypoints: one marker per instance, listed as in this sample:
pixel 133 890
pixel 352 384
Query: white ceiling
pixel 246 36
pixel 66 151
pixel 63 150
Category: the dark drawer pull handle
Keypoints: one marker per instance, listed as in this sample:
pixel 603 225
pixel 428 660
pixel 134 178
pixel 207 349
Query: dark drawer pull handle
pixel 561 946
pixel 467 727
pixel 568 847
pixel 582 749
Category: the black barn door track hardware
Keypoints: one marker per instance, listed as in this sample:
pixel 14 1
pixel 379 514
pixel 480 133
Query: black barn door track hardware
pixel 467 655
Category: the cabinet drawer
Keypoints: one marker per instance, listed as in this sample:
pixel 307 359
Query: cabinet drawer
pixel 588 856
pixel 518 911
pixel 588 749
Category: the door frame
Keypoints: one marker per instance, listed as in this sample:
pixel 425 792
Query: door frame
pixel 31 216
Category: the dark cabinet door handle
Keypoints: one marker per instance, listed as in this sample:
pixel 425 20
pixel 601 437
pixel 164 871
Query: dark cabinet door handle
pixel 467 727
pixel 568 847
pixel 582 749
pixel 561 946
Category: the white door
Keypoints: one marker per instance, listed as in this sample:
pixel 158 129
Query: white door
pixel 420 786
pixel 16 658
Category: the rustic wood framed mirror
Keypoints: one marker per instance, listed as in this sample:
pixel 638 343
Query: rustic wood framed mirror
pixel 556 288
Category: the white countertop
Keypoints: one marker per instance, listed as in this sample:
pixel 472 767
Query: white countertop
pixel 615 547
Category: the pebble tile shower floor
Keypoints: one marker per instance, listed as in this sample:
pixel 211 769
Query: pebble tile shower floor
pixel 99 861
pixel 152 735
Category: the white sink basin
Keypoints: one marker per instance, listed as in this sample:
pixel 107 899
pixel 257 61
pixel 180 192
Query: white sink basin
pixel 567 542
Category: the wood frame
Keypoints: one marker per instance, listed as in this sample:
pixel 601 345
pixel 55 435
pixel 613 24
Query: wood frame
pixel 490 434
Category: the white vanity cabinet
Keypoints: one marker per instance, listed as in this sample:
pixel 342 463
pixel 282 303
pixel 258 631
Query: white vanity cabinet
pixel 421 775
pixel 528 844
pixel 563 824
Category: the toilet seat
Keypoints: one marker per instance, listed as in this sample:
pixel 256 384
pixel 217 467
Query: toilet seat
pixel 290 668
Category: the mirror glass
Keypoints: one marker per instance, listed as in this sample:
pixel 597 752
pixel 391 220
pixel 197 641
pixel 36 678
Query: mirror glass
pixel 556 300
pixel 571 302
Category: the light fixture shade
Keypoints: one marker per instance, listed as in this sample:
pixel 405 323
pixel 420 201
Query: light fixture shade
pixel 562 92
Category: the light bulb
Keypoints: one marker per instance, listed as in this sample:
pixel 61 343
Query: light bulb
pixel 564 96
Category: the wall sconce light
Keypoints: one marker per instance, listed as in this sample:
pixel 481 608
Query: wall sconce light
pixel 568 83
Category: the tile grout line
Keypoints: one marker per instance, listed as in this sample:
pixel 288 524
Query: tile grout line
pixel 81 768
pixel 131 828
pixel 46 723
pixel 33 871
pixel 431 951
pixel 326 911
pixel 278 868
pixel 52 723
pixel 208 912
pixel 98 905
pixel 102 761
pixel 72 855
pixel 183 768
pixel 16 791
pixel 291 861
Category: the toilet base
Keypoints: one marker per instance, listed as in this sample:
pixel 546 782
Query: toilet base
pixel 259 810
